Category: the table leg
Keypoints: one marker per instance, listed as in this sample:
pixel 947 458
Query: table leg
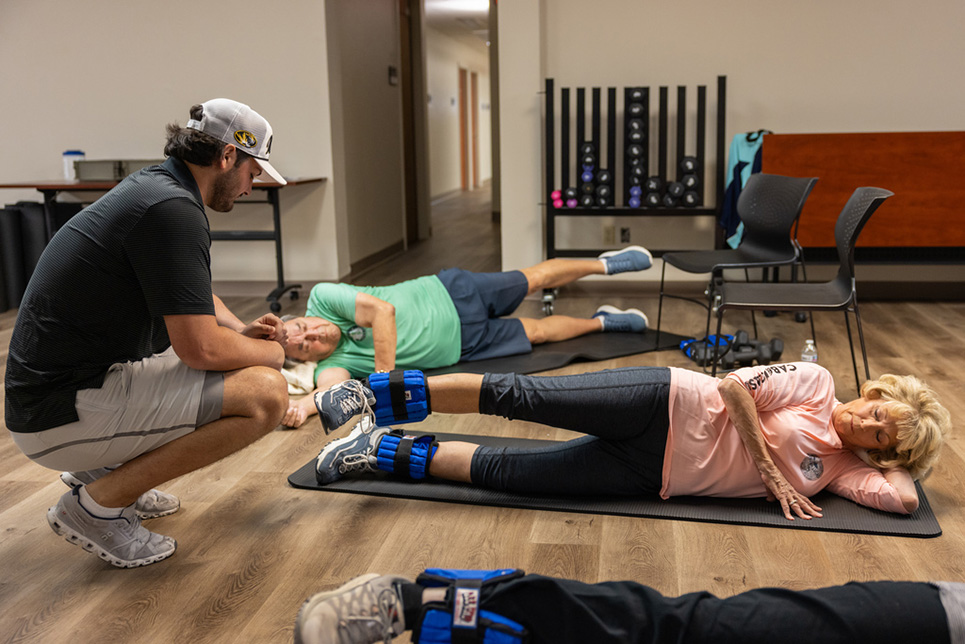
pixel 272 299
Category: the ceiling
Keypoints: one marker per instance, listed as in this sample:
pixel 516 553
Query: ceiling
pixel 459 18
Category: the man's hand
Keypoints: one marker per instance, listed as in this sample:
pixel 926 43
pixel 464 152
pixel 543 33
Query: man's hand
pixel 295 416
pixel 267 327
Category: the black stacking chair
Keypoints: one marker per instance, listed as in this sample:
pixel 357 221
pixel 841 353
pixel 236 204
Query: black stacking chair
pixel 836 295
pixel 770 207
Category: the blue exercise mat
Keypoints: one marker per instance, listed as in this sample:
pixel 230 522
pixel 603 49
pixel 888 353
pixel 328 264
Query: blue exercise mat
pixel 840 514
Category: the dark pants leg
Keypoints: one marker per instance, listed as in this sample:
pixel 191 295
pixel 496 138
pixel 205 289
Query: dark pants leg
pixel 560 611
pixel 625 410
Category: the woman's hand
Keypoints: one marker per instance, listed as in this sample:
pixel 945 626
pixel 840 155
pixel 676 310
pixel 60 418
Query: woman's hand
pixel 779 489
pixel 743 413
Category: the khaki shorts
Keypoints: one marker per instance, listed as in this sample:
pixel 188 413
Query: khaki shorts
pixel 141 406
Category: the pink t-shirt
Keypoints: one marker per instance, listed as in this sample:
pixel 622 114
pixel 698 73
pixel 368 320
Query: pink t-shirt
pixel 705 455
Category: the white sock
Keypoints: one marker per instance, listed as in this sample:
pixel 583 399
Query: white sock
pixel 606 267
pixel 95 508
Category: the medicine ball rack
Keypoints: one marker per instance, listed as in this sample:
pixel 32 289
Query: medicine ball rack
pixel 592 192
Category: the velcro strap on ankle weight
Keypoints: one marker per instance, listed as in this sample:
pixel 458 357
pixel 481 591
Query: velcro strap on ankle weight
pixel 460 619
pixel 400 396
pixel 406 455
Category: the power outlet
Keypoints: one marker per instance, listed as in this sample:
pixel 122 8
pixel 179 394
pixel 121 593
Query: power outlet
pixel 609 235
pixel 624 235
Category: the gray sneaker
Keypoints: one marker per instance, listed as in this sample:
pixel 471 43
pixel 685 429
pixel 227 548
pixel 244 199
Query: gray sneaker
pixel 354 453
pixel 629 259
pixel 123 542
pixel 341 402
pixel 622 321
pixel 150 505
pixel 366 610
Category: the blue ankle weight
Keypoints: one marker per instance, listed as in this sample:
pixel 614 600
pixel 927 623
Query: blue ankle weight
pixel 400 397
pixel 406 455
pixel 460 620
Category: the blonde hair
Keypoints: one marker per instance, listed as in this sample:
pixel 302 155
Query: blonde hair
pixel 922 423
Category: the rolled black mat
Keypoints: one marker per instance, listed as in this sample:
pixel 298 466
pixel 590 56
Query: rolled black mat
pixel 11 255
pixel 840 514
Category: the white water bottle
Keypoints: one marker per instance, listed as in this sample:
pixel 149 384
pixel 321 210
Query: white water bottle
pixel 70 156
pixel 810 352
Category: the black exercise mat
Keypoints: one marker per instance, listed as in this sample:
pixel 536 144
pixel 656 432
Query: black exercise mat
pixel 553 355
pixel 840 514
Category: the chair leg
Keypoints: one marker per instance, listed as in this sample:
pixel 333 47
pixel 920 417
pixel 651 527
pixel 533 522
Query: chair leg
pixel 814 335
pixel 720 320
pixel 710 307
pixel 854 361
pixel 864 353
pixel 663 272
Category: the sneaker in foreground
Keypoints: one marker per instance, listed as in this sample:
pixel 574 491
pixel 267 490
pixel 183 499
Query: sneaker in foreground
pixel 123 542
pixel 354 453
pixel 342 402
pixel 366 610
pixel 631 258
pixel 150 505
pixel 616 320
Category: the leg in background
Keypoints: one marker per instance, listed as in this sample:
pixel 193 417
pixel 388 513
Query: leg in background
pixel 556 272
pixel 557 328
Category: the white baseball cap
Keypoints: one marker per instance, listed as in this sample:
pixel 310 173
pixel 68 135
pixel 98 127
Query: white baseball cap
pixel 233 122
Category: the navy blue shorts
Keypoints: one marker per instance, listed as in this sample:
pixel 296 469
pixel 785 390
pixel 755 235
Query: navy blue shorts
pixel 481 299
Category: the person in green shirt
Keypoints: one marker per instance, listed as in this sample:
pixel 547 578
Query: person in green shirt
pixel 439 320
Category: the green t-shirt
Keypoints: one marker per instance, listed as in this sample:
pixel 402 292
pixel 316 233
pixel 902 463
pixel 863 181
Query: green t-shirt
pixel 427 326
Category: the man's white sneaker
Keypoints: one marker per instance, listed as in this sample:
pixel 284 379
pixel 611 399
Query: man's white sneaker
pixel 150 505
pixel 122 541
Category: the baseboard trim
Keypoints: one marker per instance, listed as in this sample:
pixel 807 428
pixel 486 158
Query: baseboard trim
pixel 367 263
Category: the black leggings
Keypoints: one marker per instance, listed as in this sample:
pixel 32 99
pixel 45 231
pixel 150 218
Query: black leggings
pixel 626 411
pixel 559 611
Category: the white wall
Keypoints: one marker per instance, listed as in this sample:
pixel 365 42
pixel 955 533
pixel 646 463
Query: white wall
pixel 106 76
pixel 367 122
pixel 821 66
pixel 445 56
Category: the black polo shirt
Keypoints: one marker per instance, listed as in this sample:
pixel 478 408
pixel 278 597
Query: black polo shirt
pixel 101 289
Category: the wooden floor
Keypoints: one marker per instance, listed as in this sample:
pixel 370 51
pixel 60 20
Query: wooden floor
pixel 251 548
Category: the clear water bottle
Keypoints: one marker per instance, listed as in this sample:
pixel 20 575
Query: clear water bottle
pixel 810 352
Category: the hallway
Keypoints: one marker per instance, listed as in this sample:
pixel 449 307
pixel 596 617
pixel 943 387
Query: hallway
pixel 463 235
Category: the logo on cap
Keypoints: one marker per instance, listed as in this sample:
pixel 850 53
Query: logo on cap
pixel 245 139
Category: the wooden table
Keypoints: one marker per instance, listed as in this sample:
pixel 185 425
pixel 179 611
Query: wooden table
pixel 50 190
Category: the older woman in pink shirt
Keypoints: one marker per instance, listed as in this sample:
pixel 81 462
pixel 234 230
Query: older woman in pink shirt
pixel 774 431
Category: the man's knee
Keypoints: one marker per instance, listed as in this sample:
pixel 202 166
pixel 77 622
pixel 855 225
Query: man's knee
pixel 273 388
pixel 257 391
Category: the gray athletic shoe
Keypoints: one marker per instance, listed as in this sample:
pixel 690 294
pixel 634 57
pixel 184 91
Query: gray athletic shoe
pixel 342 402
pixel 366 610
pixel 616 320
pixel 123 542
pixel 150 505
pixel 631 258
pixel 354 453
